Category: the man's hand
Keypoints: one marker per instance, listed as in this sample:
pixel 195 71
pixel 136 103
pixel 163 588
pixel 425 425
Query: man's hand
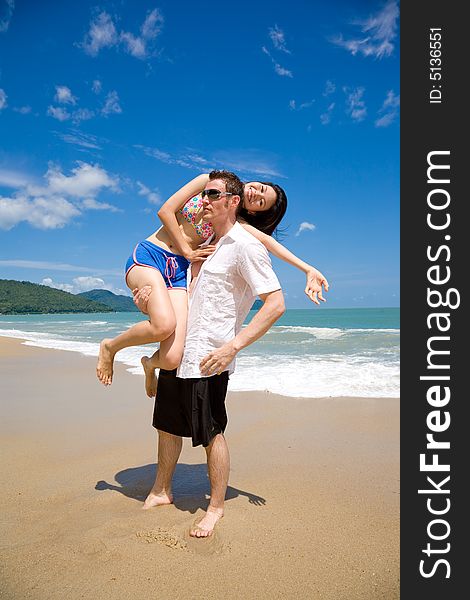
pixel 218 360
pixel 315 281
pixel 200 254
pixel 141 297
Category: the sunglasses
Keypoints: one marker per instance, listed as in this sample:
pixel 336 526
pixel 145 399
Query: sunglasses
pixel 214 194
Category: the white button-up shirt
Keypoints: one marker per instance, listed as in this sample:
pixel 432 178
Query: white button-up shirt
pixel 229 281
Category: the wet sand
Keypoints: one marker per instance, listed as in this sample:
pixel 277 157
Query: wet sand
pixel 312 506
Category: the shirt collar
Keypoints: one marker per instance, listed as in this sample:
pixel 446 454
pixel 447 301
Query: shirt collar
pixel 233 233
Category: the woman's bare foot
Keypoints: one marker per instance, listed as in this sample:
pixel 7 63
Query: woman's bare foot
pixel 150 377
pixel 104 368
pixel 205 527
pixel 157 500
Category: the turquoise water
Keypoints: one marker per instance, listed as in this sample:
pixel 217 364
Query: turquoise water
pixel 309 352
pixel 357 318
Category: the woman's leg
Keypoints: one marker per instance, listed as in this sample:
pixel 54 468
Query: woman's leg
pixel 169 355
pixel 161 323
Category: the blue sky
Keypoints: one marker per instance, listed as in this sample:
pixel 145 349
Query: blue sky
pixel 106 109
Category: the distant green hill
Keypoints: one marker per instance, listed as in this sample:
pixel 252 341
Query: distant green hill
pixel 117 303
pixel 23 297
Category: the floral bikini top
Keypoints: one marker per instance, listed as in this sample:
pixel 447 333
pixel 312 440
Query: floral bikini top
pixel 192 212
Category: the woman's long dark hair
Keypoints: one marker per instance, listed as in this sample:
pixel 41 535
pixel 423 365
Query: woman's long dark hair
pixel 267 220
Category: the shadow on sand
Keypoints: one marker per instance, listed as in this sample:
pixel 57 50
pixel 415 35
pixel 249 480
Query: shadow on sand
pixel 190 486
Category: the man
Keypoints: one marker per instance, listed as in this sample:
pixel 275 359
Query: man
pixel 191 401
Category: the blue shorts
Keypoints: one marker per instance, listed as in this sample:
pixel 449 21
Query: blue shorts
pixel 173 267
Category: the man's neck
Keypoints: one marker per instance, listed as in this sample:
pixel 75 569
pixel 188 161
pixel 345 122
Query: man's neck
pixel 222 228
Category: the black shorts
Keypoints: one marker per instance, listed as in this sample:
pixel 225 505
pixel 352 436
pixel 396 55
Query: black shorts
pixel 192 408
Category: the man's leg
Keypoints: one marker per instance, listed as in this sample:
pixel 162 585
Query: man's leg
pixel 169 449
pixel 218 463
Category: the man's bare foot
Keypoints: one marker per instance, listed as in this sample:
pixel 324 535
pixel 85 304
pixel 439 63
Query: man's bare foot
pixel 205 527
pixel 104 368
pixel 150 377
pixel 157 500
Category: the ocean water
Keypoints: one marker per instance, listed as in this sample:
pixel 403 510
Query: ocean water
pixel 315 353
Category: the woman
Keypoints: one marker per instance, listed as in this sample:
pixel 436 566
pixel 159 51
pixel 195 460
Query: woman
pixel 168 252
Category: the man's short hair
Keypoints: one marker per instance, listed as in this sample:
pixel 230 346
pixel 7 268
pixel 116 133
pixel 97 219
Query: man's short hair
pixel 232 182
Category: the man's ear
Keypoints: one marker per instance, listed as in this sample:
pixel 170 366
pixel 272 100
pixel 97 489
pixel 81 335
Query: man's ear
pixel 235 200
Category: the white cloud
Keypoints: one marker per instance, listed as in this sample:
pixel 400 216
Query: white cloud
pixel 277 67
pixel 140 46
pixel 65 113
pixel 385 120
pixel 111 104
pixel 65 287
pixel 325 117
pixel 155 153
pixel 305 226
pixel 153 196
pixel 102 34
pixel 355 105
pixel 92 204
pixel 196 159
pixel 293 105
pixel 97 86
pixel 83 284
pixel 391 101
pixel 82 114
pixel 389 110
pixel 59 113
pixel 330 88
pixel 55 204
pixel 23 110
pixel 39 212
pixel 165 157
pixel 248 162
pixel 50 266
pixel 86 181
pixel 77 138
pixel 13 179
pixel 277 37
pixel 135 45
pixel 152 25
pixel 8 13
pixel 282 71
pixel 63 95
pixel 379 32
pixel 3 99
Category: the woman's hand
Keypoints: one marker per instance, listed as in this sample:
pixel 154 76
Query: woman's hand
pixel 200 254
pixel 316 281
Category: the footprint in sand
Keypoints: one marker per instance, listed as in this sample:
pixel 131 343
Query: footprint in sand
pixel 206 546
pixel 163 536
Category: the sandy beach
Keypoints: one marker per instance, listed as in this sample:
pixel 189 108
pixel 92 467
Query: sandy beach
pixel 312 506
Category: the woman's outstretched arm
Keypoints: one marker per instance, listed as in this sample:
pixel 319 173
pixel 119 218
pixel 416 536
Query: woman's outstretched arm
pixel 167 213
pixel 316 281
